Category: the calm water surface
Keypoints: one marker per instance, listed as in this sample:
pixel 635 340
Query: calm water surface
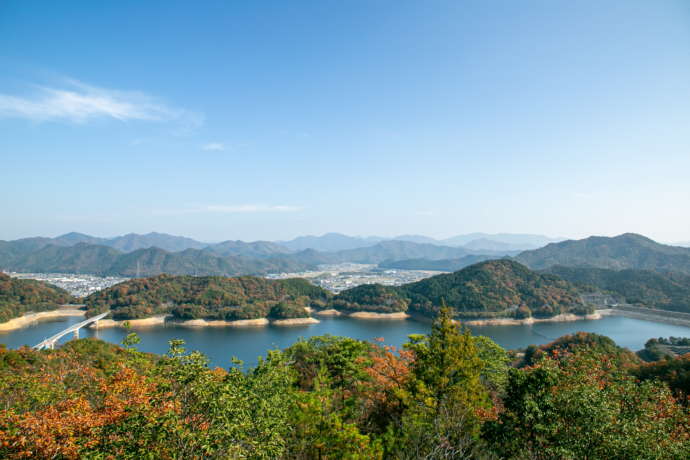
pixel 220 344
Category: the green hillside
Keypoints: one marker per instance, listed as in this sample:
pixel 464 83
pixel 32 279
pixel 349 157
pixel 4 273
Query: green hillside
pixel 668 291
pixel 371 297
pixel 493 288
pixel 18 296
pixel 207 297
pixel 621 252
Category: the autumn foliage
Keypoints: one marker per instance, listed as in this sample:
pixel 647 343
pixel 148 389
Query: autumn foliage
pixel 447 394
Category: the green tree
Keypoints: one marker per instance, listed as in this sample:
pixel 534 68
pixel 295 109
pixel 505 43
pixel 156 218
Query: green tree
pixel 320 429
pixel 495 361
pixel 583 406
pixel 447 401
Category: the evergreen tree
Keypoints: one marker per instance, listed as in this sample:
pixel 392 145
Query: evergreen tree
pixel 446 401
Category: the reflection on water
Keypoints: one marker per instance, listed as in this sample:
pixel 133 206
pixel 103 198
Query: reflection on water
pixel 220 344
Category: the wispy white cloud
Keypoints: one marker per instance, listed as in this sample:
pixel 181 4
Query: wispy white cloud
pixel 213 146
pixel 251 208
pixel 77 102
pixel 232 209
pixel 425 213
pixel 582 195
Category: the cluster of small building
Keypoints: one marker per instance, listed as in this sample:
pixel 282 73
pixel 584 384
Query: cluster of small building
pixel 77 285
pixel 336 278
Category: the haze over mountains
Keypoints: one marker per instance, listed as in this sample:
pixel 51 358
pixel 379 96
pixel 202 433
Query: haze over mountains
pixel 154 253
pixel 475 241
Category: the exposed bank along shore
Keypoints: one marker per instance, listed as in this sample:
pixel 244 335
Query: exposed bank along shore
pixel 28 319
pixel 564 317
pixel 168 319
pixel 677 318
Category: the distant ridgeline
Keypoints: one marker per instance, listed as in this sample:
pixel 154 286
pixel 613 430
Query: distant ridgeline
pixel 488 289
pixel 37 256
pixel 621 252
pixel 153 254
pixel 18 296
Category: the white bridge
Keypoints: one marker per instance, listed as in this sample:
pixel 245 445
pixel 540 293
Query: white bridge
pixel 51 341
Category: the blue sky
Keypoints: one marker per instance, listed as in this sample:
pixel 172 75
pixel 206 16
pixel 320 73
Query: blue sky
pixel 266 120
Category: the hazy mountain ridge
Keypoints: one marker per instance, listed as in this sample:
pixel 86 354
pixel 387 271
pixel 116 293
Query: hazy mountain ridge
pixel 104 260
pixel 513 240
pixel 332 242
pixel 329 242
pixel 399 250
pixel 227 258
pixel 258 249
pixel 126 243
pixel 77 253
pixel 624 251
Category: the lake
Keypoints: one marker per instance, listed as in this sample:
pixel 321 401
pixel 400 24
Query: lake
pixel 220 344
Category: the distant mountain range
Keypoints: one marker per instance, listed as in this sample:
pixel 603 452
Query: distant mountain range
pixel 104 260
pixel 330 242
pixel 78 253
pixel 515 241
pixel 258 249
pixel 473 241
pixel 155 253
pixel 129 242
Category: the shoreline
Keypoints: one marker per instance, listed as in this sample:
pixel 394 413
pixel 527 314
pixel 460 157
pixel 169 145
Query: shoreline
pixel 375 315
pixel 651 315
pixel 562 318
pixel 141 322
pixel 27 320
pixel 328 312
pixel 162 320
pixel 294 321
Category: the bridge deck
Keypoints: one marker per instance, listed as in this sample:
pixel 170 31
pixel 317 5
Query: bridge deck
pixel 75 327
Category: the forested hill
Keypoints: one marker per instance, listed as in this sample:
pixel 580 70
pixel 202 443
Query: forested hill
pixel 669 291
pixel 103 260
pixel 18 296
pixel 493 288
pixel 208 297
pixel 624 251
